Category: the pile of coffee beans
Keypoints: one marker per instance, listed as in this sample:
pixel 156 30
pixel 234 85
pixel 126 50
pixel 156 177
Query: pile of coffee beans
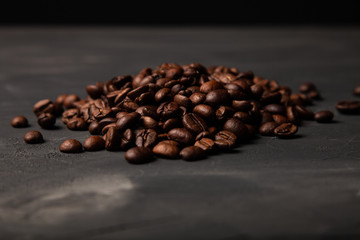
pixel 174 111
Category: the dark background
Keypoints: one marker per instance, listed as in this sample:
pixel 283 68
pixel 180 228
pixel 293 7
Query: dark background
pixel 180 12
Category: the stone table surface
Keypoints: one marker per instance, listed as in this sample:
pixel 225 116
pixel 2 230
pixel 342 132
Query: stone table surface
pixel 308 186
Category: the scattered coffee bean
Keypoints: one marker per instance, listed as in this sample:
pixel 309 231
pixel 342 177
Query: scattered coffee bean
pixel 167 150
pixel 33 137
pixel 285 130
pixel 324 116
pixel 19 122
pixel 71 146
pixel 46 120
pixel 225 139
pixel 139 155
pixel 112 139
pixel 43 106
pixel 192 153
pixel 94 143
pixel 267 129
pixel 348 107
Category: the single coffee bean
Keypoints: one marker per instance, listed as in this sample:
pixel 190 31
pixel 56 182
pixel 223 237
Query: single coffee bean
pixel 275 108
pixel 46 120
pixel 307 87
pixel 176 88
pixel 285 130
pixel 197 98
pixel 171 123
pixel 225 139
pixel 127 139
pixel 267 129
pixel 94 143
pixel 168 110
pixel 148 110
pixel 94 128
pixel 107 127
pixel 167 150
pixel 270 97
pixel 112 139
pixel 19 122
pixel 224 112
pixel 205 144
pixel 204 134
pixel 315 95
pixel 121 114
pixel 70 100
pixel 137 92
pixel 257 91
pixel 304 113
pixel 128 121
pixel 210 86
pixel 139 155
pixel 204 111
pixel 58 109
pixel 194 123
pixel 182 100
pixel 348 107
pixel 235 126
pixel 243 117
pixel 146 138
pixel 71 146
pixel 94 91
pixel 279 119
pixel 192 153
pixel 243 106
pixel 217 97
pixel 77 124
pixel 162 95
pixel 356 91
pixel 69 114
pixel 60 99
pixel 33 137
pixel 148 122
pixel 324 116
pixel 43 106
pixel 181 135
pixel 292 115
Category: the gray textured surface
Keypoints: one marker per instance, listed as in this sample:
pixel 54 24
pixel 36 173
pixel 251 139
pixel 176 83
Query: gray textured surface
pixel 308 186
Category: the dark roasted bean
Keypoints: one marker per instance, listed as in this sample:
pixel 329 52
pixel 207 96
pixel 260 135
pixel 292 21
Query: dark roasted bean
pixel 43 106
pixel 94 91
pixel 127 139
pixel 279 119
pixel 217 97
pixel 204 111
pixel 168 110
pixel 60 99
pixel 139 155
pixel 194 123
pixel 304 113
pixel 356 91
pixel 324 116
pixel 225 139
pixel 307 87
pixel 206 144
pixel 77 124
pixel 71 146
pixel 94 128
pixel 224 112
pixel 33 137
pixel 112 139
pixel 243 116
pixel 146 138
pixel 267 129
pixel 285 130
pixel 127 121
pixel 292 115
pixel 19 122
pixel 137 92
pixel 171 123
pixel 107 127
pixel 235 126
pixel 181 135
pixel 167 150
pixel 69 114
pixel 197 98
pixel 148 122
pixel 46 120
pixel 243 106
pixel 348 107
pixel 192 153
pixel 275 108
pixel 94 143
pixel 210 86
pixel 148 110
pixel 204 134
pixel 182 100
pixel 162 95
pixel 257 91
pixel 70 100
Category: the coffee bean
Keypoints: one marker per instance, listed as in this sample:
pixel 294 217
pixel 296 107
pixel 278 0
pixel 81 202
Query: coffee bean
pixel 60 99
pixel 139 155
pixel 285 130
pixel 171 123
pixel 225 139
pixel 304 113
pixel 43 106
pixel 324 116
pixel 292 115
pixel 147 110
pixel 69 114
pixel 192 153
pixel 181 135
pixel 204 134
pixel 197 98
pixel 19 122
pixel 182 100
pixel 148 122
pixel 267 129
pixel 162 95
pixel 235 126
pixel 224 112
pixel 70 100
pixel 94 91
pixel 167 150
pixel 194 123
pixel 94 143
pixel 122 114
pixel 127 139
pixel 112 139
pixel 243 106
pixel 77 124
pixel 257 91
pixel 46 120
pixel 279 119
pixel 217 97
pixel 243 117
pixel 94 128
pixel 127 121
pixel 71 146
pixel 168 110
pixel 137 92
pixel 146 138
pixel 107 127
pixel 356 91
pixel 275 108
pixel 204 111
pixel 307 87
pixel 210 86
pixel 33 137
pixel 270 97
pixel 348 107
pixel 205 144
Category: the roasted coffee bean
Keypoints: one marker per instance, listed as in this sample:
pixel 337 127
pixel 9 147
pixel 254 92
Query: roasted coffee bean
pixel 204 111
pixel 204 134
pixel 127 139
pixel 129 105
pixel 211 86
pixel 146 138
pixel 71 146
pixel 100 110
pixel 182 100
pixel 252 130
pixel 43 106
pixel 60 99
pixel 107 127
pixel 206 144
pixel 348 107
pixel 243 106
pixel 168 110
pixel 94 143
pixel 58 109
pixel 292 115
pixel 127 121
pixel 94 128
pixel 243 116
pixel 46 120
pixel 224 112
pixel 171 123
pixel 176 88
pixel 167 150
pixel 137 92
pixel 181 135
pixel 356 91
pixel 235 126
pixel 162 95
pixel 285 130
pixel 270 97
pixel 304 113
pixel 217 97
pixel 94 91
pixel 77 124
pixel 324 116
pixel 197 98
pixel 112 139
pixel 145 98
pixel 225 139
pixel 192 153
pixel 275 108
pixel 148 122
pixel 19 122
pixel 139 155
pixel 279 119
pixel 257 91
pixel 122 114
pixel 33 137
pixel 307 87
pixel 314 95
pixel 116 97
pixel 267 129
pixel 69 114
pixel 70 100
pixel 194 123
